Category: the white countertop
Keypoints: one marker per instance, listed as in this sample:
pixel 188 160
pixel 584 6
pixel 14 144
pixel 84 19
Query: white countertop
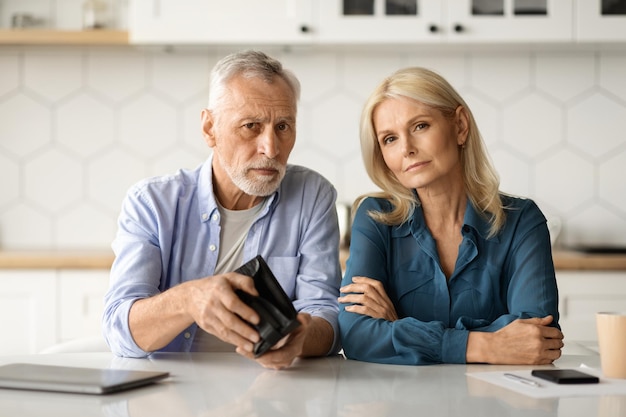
pixel 225 384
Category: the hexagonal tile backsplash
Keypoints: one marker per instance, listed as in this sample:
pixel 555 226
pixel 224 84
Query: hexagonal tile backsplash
pixel 78 126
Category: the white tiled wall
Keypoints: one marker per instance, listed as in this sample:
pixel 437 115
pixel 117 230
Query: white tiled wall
pixel 78 126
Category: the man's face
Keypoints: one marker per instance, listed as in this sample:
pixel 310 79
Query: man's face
pixel 252 135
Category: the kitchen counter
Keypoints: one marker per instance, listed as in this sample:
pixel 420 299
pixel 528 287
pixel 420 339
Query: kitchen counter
pixel 227 384
pixel 102 259
pixel 56 259
pixel 576 261
pixel 571 261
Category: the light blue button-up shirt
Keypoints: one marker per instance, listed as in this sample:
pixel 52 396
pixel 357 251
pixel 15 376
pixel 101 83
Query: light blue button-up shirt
pixel 495 281
pixel 168 233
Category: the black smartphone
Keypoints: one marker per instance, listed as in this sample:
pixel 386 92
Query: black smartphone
pixel 565 376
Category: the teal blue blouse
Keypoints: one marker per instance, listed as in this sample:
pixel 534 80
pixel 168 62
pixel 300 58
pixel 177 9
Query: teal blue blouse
pixel 495 281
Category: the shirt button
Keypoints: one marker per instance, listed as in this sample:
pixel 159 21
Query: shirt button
pixel 205 216
pixel 212 248
pixel 215 217
pixel 187 335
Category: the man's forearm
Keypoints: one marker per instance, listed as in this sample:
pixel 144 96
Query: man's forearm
pixel 156 321
pixel 319 338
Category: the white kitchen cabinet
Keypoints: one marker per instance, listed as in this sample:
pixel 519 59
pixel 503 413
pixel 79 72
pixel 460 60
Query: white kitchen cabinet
pixel 220 22
pixel 584 293
pixel 81 303
pixel 379 21
pixel 457 21
pixel 396 22
pixel 28 306
pixel 41 308
pixel 509 20
pixel 600 20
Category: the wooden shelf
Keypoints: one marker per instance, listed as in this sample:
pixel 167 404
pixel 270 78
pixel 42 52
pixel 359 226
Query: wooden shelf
pixel 56 259
pixel 102 259
pixel 577 261
pixel 563 261
pixel 63 37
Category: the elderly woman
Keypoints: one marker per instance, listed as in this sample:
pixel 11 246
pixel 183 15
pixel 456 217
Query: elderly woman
pixel 443 267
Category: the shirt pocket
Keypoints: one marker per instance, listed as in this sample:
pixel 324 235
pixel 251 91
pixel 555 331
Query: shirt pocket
pixel 475 293
pixel 414 278
pixel 415 293
pixel 285 269
pixel 409 282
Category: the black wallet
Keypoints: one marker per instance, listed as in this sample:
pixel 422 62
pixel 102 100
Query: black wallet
pixel 278 316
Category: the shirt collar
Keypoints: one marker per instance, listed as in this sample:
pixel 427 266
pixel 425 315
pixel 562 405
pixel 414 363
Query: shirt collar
pixel 478 221
pixel 416 224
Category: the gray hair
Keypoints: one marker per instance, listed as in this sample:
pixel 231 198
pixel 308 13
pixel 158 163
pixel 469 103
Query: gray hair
pixel 250 64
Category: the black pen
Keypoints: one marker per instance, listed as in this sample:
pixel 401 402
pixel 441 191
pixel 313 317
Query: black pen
pixel 522 380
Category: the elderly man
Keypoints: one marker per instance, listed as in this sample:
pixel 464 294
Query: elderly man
pixel 181 236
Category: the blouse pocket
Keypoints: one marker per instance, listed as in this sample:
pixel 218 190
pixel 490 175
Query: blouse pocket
pixel 477 294
pixel 413 282
pixel 414 293
pixel 285 269
pixel 414 278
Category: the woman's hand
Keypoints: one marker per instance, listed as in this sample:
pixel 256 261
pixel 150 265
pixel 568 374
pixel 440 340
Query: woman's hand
pixel 369 298
pixel 522 342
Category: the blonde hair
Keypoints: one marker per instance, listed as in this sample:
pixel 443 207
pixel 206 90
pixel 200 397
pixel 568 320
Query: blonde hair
pixel 480 178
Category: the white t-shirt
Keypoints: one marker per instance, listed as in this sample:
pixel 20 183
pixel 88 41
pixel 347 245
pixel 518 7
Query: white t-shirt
pixel 235 225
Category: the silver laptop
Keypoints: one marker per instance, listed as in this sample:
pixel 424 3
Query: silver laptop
pixel 76 380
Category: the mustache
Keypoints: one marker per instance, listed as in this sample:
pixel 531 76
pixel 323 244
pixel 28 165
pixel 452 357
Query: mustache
pixel 267 164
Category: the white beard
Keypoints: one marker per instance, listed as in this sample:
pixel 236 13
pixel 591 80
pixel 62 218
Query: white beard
pixel 254 186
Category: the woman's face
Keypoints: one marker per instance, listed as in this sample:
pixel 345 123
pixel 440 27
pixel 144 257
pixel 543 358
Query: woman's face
pixel 419 144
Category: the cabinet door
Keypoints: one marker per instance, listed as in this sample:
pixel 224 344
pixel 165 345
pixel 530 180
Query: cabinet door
pixel 219 21
pixel 379 21
pixel 81 303
pixel 601 20
pixel 584 293
pixel 28 306
pixel 509 20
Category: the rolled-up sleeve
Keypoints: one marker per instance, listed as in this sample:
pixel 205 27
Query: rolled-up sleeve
pixel 318 273
pixel 135 273
pixel 169 233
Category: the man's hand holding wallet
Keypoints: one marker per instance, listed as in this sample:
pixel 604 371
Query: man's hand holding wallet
pixel 278 318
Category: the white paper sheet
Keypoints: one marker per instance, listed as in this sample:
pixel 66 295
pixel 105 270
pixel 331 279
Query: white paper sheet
pixel 547 389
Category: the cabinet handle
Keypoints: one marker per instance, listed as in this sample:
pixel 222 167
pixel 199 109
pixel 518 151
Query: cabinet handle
pixel 433 28
pixel 458 28
pixel 304 29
